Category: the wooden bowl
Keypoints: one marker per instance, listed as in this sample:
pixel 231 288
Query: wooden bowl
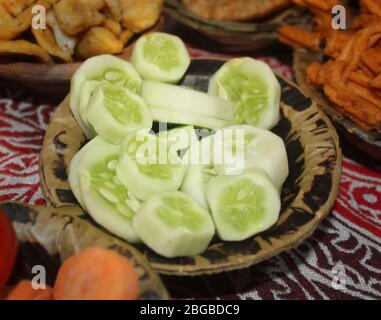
pixel 231 36
pixel 310 191
pixel 367 142
pixel 48 236
pixel 52 80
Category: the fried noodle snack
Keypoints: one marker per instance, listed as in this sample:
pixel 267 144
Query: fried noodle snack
pixel 351 75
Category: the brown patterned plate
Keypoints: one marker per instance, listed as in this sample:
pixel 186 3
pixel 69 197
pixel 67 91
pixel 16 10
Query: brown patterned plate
pixel 315 166
pixel 368 142
pixel 48 236
pixel 232 36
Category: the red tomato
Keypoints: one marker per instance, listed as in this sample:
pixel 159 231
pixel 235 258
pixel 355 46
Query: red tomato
pixel 8 249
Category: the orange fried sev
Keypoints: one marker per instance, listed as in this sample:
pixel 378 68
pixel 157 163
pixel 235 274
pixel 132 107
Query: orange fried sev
pixel 373 6
pixel 376 82
pixel 372 59
pixel 299 37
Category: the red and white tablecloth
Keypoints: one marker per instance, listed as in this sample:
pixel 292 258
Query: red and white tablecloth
pixel 342 260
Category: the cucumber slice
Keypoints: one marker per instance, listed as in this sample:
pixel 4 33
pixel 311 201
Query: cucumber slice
pixel 147 166
pixel 160 56
pixel 169 116
pixel 114 112
pixel 173 225
pixel 107 201
pixel 181 99
pixel 85 92
pixel 106 68
pixel 244 205
pixel 179 139
pixel 199 173
pixel 253 88
pixel 261 149
pixel 73 168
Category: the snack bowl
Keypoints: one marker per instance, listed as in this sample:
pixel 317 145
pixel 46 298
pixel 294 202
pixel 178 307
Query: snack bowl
pixel 368 142
pixel 231 36
pixel 308 194
pixel 48 236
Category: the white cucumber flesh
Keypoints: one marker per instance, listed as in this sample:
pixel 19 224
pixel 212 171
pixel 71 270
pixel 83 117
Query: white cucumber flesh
pixel 243 206
pixel 249 147
pixel 253 88
pixel 199 172
pixel 85 93
pixel 147 166
pixel 170 116
pixel 181 99
pixel 179 139
pixel 73 168
pixel 173 225
pixel 161 57
pixel 105 68
pixel 114 112
pixel 107 201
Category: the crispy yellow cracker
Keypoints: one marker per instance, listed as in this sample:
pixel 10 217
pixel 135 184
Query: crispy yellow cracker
pixel 16 7
pixel 112 25
pixel 45 38
pixel 140 15
pixel 75 16
pixel 23 47
pixel 11 28
pixel 125 37
pixel 97 41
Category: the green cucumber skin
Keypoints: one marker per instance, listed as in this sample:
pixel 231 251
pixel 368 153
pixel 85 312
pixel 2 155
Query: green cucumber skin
pixel 172 243
pixel 269 117
pixel 151 71
pixel 141 185
pixel 272 203
pixel 100 210
pixel 73 169
pixel 93 69
pixel 107 126
pixel 181 99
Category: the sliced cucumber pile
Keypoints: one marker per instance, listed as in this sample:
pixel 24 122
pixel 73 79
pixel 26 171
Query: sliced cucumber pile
pixel 147 166
pixel 172 190
pixel 251 147
pixel 243 205
pixel 160 95
pixel 73 169
pixel 179 139
pixel 114 112
pixel 160 56
pixel 108 202
pixel 105 68
pixel 200 171
pixel 173 225
pixel 253 88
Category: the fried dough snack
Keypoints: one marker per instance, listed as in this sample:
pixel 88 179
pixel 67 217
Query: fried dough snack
pixel 238 10
pixel 351 76
pixel 74 28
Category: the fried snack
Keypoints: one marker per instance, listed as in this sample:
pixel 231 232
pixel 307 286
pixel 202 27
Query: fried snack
pixel 11 27
pixel 112 25
pixel 140 15
pixel 97 41
pixel 45 38
pixel 115 9
pixel 125 37
pixel 75 16
pixel 297 37
pixel 64 41
pixel 351 75
pixel 239 10
pixel 23 47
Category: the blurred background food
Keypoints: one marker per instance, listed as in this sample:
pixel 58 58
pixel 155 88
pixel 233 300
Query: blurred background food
pixel 75 29
pixel 239 10
pixel 349 70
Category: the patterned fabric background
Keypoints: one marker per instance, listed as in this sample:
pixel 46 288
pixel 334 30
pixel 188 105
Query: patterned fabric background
pixel 342 260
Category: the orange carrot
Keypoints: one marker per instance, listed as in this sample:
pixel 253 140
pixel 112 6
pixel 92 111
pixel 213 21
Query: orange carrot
pixel 97 274
pixel 24 291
